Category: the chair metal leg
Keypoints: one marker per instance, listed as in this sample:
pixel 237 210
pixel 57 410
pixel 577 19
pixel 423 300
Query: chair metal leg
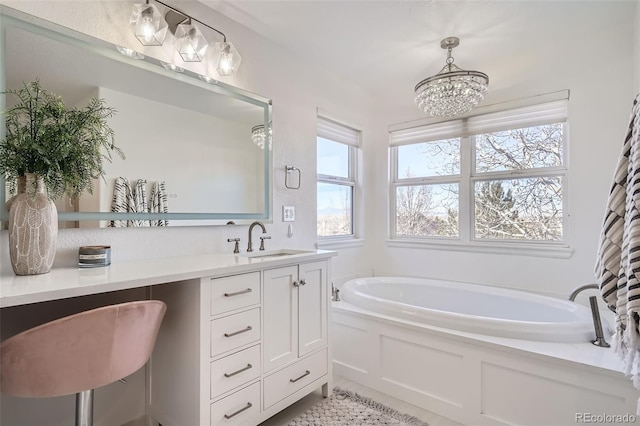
pixel 84 408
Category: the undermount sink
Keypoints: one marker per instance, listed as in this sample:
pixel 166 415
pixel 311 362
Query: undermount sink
pixel 273 253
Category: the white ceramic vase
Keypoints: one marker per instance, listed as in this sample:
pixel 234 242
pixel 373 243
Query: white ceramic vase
pixel 33 229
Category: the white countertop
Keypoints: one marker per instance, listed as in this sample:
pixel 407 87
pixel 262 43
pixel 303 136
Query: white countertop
pixel 68 282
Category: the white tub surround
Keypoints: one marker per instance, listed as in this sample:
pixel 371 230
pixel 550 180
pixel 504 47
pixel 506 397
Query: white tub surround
pixel 476 378
pixel 473 308
pixel 243 337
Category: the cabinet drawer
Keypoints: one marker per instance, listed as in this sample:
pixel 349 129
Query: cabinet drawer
pixel 235 330
pixel 235 370
pixel 235 292
pixel 238 408
pixel 294 377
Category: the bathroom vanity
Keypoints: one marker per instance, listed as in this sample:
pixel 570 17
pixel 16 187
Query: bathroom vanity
pixel 243 337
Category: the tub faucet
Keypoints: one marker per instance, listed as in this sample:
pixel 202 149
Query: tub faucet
pixel 264 231
pixel 335 293
pixel 578 290
pixel 595 313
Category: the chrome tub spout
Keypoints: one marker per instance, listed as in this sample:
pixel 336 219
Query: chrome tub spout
pixel 578 290
pixel 595 313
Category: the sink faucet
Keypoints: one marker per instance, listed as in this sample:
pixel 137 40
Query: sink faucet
pixel 595 313
pixel 264 231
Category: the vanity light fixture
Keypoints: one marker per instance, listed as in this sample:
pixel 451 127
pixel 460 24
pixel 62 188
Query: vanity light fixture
pixel 453 91
pixel 189 39
pixel 227 58
pixel 148 24
pixel 190 42
pixel 260 137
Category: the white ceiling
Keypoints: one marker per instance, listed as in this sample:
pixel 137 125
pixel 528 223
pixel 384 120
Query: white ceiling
pixel 388 46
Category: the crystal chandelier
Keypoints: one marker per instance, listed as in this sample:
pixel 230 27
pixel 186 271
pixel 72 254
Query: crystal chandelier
pixel 260 137
pixel 453 91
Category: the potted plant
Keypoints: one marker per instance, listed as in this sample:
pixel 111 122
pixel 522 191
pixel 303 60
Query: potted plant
pixel 49 149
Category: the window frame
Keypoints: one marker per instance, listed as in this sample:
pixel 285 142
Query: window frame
pixel 337 131
pixel 468 177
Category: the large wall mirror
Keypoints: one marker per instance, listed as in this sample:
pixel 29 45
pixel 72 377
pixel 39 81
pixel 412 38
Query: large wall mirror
pixel 181 132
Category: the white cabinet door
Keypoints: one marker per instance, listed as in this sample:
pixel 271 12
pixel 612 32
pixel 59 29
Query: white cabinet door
pixel 312 310
pixel 280 327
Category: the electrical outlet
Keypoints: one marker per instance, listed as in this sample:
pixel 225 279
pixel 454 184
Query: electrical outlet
pixel 288 214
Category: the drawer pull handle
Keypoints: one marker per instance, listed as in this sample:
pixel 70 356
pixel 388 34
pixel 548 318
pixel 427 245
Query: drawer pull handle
pixel 228 416
pixel 244 330
pixel 238 293
pixel 303 282
pixel 249 366
pixel 306 373
pixel 295 284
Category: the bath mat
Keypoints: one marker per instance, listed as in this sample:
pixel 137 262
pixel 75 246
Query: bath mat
pixel 346 408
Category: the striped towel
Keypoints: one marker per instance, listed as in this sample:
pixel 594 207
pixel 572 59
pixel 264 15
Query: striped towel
pixel 618 262
pixel 122 198
pixel 139 204
pixel 158 203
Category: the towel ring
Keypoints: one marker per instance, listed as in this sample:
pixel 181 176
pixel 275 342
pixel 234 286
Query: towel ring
pixel 288 169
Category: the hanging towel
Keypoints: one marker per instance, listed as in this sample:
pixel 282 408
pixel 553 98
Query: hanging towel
pixel 139 204
pixel 120 202
pixel 158 203
pixel 618 262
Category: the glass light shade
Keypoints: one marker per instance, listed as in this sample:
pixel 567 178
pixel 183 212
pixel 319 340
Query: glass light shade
pixel 227 58
pixel 190 43
pixel 451 92
pixel 260 137
pixel 129 53
pixel 172 67
pixel 207 79
pixel 148 24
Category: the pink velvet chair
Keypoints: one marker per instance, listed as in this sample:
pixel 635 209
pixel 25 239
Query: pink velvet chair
pixel 75 354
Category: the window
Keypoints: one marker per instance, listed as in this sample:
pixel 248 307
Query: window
pixel 336 156
pixel 489 178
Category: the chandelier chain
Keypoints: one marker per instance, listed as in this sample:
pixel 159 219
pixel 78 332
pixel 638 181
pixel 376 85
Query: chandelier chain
pixel 449 57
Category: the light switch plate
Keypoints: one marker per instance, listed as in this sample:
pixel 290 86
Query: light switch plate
pixel 288 214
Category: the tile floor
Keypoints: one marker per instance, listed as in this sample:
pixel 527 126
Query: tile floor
pixel 283 417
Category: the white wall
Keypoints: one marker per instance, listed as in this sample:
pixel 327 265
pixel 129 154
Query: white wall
pixel 296 91
pixel 598 120
pixel 597 68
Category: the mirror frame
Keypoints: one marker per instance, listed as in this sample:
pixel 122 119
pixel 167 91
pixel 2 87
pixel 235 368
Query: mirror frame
pixel 12 18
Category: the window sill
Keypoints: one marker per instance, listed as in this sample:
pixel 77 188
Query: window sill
pixel 558 252
pixel 338 243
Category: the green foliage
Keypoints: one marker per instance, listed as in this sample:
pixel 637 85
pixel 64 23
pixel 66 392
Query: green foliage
pixel 65 146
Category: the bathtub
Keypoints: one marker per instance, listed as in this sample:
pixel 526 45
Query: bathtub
pixel 467 352
pixel 474 308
